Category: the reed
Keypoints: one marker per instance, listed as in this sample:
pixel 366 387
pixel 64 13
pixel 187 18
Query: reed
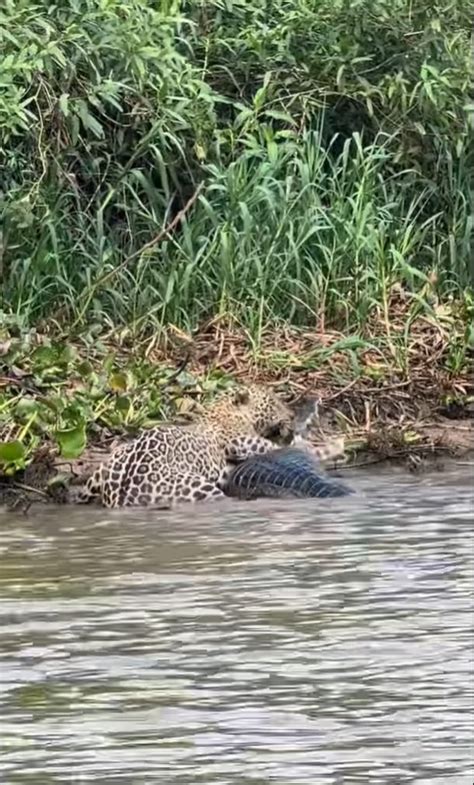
pixel 331 139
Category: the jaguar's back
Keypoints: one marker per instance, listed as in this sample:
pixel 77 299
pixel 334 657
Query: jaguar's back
pixel 187 463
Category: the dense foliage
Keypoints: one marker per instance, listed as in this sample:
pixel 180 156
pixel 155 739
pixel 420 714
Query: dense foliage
pixel 331 136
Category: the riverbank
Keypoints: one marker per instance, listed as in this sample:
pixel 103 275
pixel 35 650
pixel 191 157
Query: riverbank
pixel 401 391
pixel 249 175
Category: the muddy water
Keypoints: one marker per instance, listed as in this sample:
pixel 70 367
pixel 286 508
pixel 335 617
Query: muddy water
pixel 242 644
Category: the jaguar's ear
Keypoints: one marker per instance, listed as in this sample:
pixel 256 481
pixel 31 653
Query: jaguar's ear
pixel 241 397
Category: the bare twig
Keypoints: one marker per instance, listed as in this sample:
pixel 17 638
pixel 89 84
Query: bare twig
pixel 131 257
pixel 22 487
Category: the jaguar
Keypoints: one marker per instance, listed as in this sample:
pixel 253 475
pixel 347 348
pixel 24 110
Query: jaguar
pixel 178 463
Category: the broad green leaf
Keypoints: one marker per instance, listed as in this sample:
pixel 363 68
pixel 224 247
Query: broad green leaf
pixel 26 407
pixel 11 452
pixel 72 441
pixel 123 403
pixel 278 115
pixel 118 382
pixel 44 357
pixel 84 368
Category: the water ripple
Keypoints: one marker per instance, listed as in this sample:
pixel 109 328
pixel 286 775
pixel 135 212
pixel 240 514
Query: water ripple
pixel 269 642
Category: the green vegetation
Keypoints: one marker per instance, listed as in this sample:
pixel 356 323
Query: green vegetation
pixel 60 391
pixel 166 162
pixel 331 137
pixel 58 395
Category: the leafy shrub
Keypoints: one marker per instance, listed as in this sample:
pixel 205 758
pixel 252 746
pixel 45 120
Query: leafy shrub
pixel 331 134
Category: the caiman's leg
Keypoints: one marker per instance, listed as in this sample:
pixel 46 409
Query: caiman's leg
pixel 324 452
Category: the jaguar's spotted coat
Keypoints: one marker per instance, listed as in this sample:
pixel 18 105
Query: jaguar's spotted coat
pixel 172 463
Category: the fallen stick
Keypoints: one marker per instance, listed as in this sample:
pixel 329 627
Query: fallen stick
pixel 130 258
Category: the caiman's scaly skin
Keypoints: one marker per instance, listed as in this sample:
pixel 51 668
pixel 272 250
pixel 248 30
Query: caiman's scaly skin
pixel 286 472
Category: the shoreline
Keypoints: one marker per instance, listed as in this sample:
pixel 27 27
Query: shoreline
pixel 68 404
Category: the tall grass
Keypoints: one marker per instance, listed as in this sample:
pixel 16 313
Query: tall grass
pixel 332 139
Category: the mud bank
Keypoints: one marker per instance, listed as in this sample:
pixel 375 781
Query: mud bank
pixel 66 404
pixel 51 479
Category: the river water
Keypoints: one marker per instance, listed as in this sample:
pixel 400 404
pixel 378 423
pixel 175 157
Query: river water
pixel 290 643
